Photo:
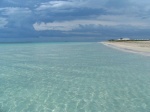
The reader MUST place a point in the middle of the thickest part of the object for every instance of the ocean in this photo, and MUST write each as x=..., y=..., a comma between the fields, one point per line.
x=72, y=77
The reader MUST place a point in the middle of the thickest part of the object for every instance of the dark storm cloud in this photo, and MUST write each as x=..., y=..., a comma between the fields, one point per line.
x=74, y=18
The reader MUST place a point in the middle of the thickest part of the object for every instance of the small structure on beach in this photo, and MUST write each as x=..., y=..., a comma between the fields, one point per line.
x=123, y=39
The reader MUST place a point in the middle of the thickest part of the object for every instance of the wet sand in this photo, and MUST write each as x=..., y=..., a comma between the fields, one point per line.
x=140, y=47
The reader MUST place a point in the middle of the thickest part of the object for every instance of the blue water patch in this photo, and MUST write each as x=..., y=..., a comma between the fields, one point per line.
x=72, y=77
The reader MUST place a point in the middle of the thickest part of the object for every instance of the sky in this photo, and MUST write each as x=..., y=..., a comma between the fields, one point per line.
x=73, y=20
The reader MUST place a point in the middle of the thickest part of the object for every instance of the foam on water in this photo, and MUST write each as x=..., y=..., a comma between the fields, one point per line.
x=72, y=77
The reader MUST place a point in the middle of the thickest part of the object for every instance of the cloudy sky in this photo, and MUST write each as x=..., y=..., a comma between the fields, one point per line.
x=73, y=20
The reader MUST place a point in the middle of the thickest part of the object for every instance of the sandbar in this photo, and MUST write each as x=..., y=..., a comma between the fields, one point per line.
x=140, y=47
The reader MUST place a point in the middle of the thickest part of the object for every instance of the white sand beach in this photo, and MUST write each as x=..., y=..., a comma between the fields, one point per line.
x=141, y=47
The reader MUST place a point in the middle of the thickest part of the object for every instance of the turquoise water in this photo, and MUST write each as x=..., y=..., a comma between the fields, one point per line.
x=72, y=77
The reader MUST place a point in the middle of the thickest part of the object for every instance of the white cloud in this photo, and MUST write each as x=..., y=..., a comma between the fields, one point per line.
x=62, y=26
x=85, y=3
x=55, y=4
x=70, y=4
x=3, y=22
x=14, y=10
x=105, y=20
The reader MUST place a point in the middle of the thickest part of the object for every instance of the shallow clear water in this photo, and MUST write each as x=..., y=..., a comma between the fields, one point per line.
x=72, y=77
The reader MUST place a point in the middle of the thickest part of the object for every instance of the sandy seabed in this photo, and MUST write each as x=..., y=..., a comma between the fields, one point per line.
x=140, y=47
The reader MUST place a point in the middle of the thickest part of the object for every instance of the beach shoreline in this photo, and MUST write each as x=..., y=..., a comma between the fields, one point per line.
x=139, y=47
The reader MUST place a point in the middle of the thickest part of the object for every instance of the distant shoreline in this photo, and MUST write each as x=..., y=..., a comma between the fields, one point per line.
x=140, y=47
